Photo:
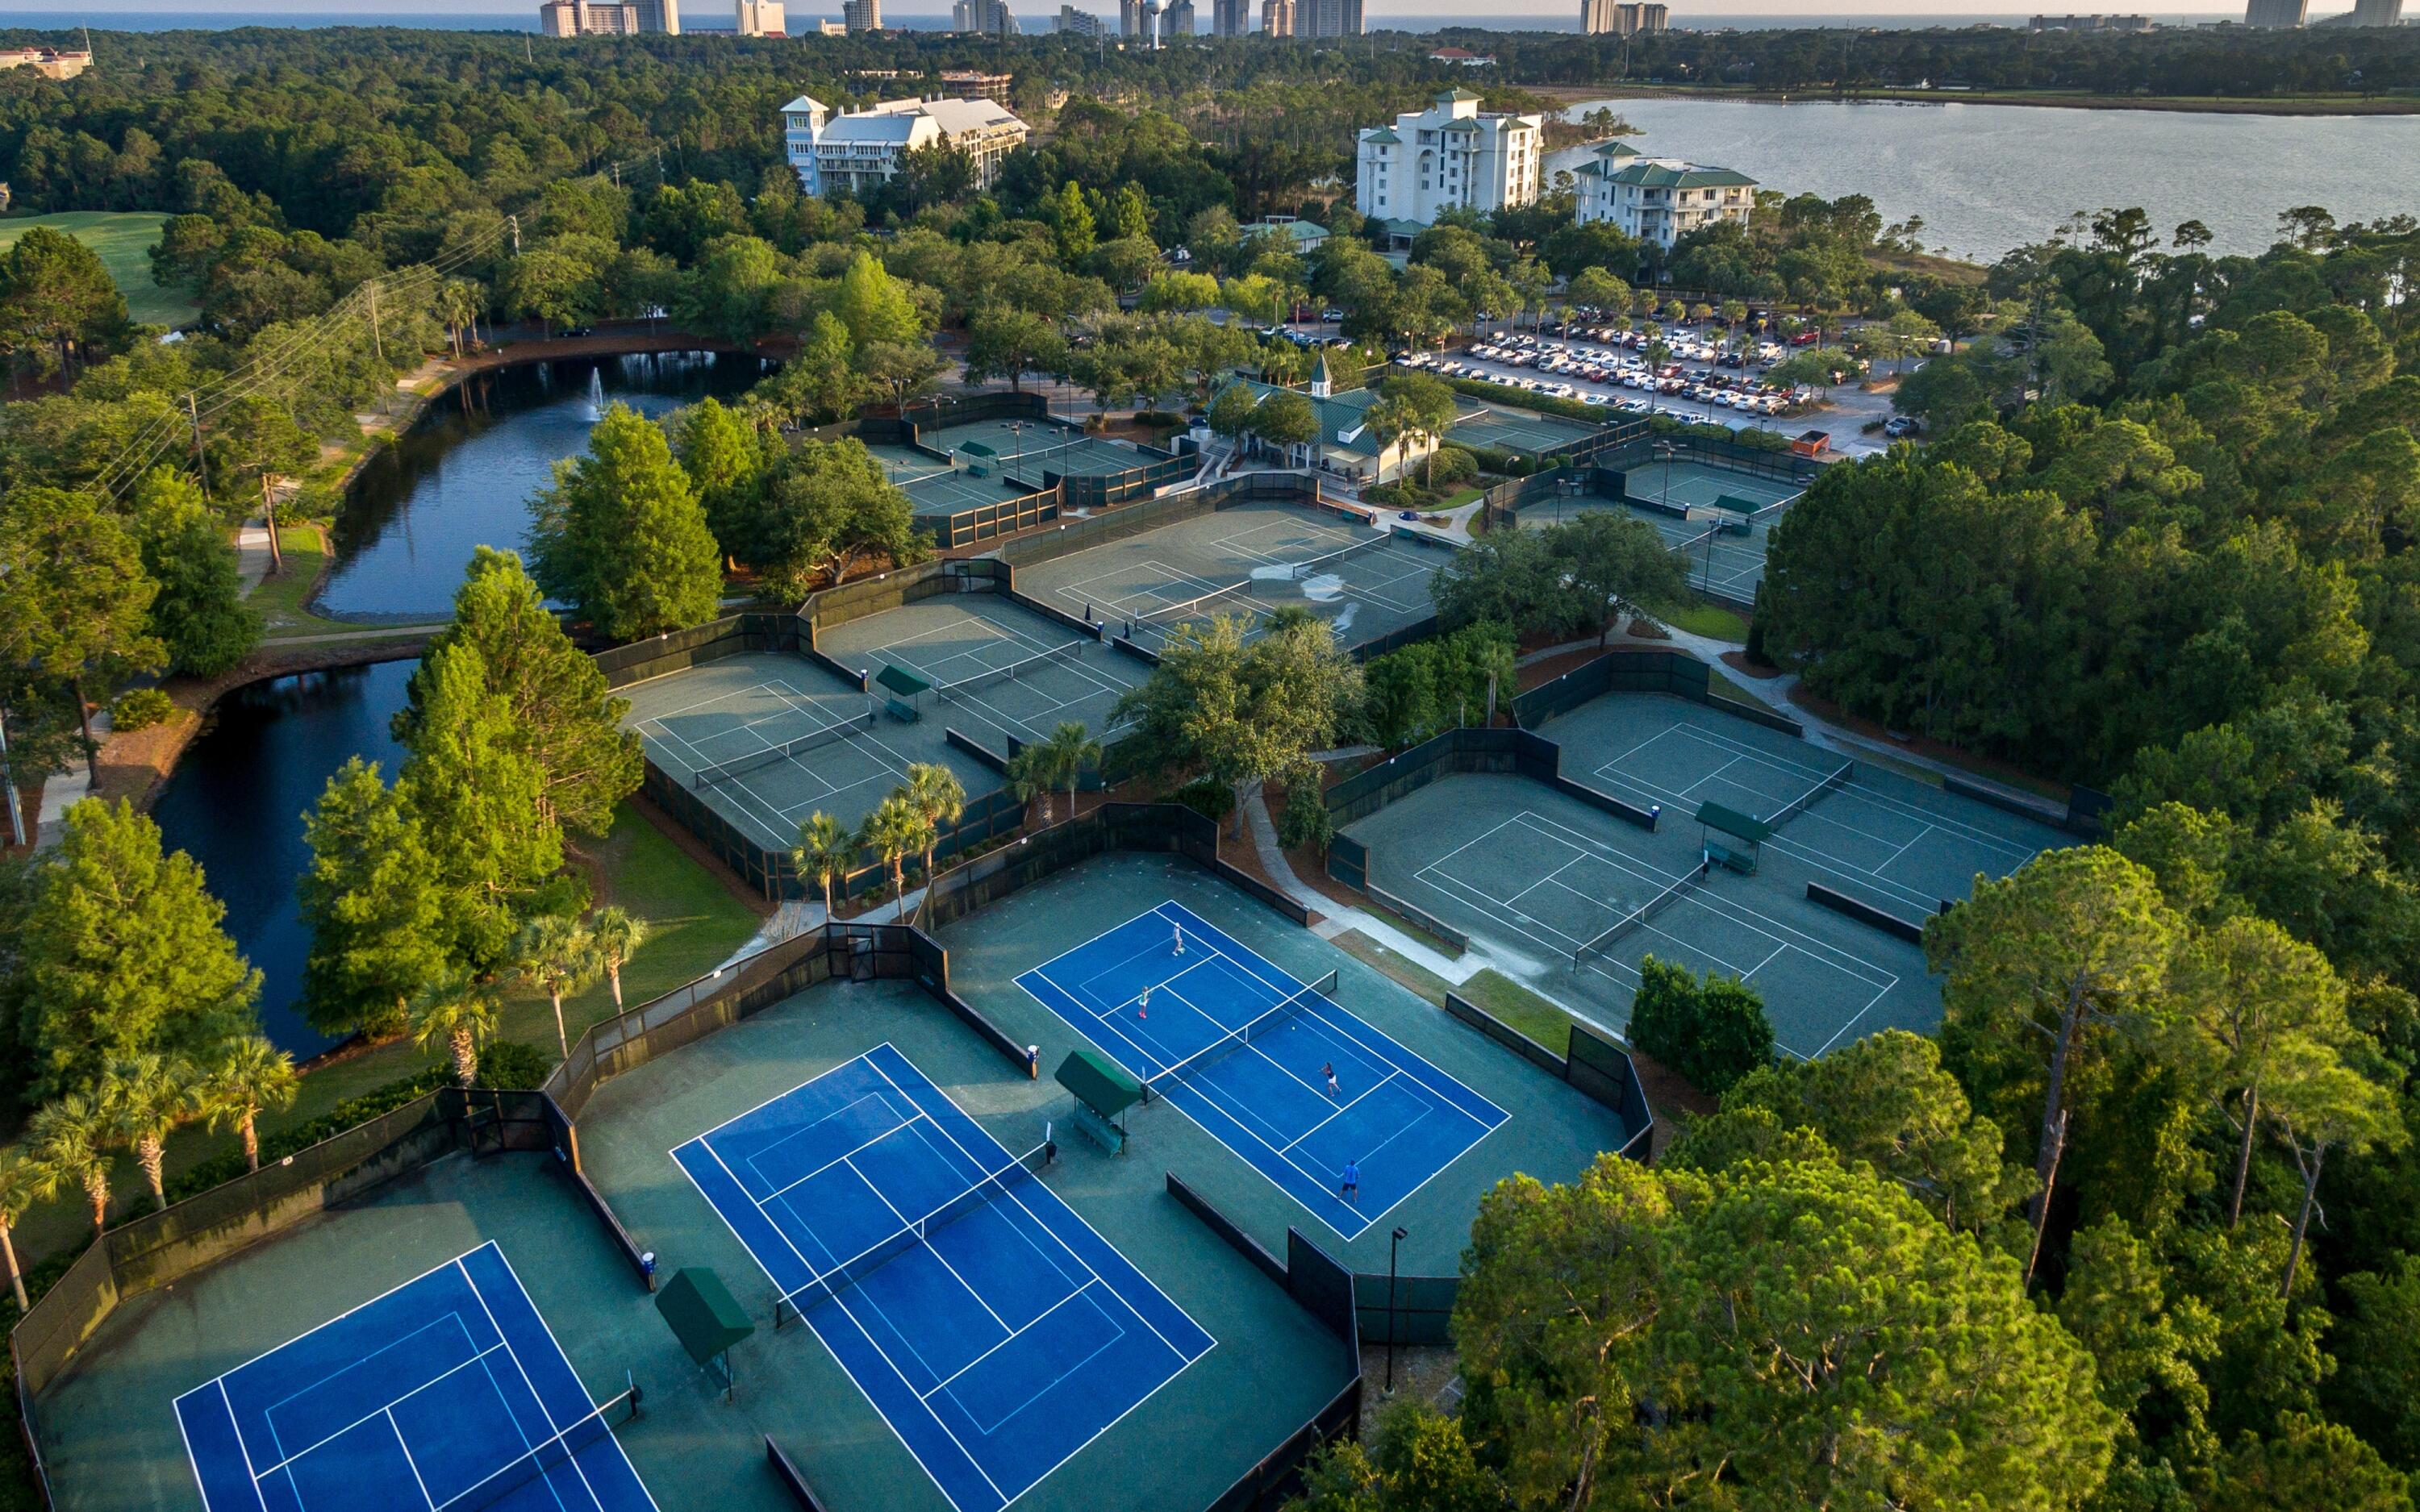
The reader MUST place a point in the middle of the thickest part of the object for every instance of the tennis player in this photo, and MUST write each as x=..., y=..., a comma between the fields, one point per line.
x=1350, y=1187
x=1179, y=939
x=1142, y=1004
x=1327, y=1070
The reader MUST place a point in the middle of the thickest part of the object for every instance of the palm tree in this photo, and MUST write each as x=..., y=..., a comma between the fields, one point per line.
x=249, y=1077
x=71, y=1143
x=148, y=1097
x=458, y=306
x=1032, y=774
x=617, y=935
x=1072, y=749
x=23, y=1182
x=458, y=1013
x=824, y=852
x=941, y=798
x=556, y=952
x=896, y=830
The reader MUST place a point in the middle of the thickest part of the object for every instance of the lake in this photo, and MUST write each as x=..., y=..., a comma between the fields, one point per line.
x=1989, y=178
x=462, y=476
x=236, y=802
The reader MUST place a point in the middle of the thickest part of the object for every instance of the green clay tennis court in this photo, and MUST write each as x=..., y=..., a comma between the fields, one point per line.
x=1575, y=898
x=769, y=738
x=1479, y=422
x=1247, y=561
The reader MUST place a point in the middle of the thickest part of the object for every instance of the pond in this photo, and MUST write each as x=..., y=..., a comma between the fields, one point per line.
x=462, y=476
x=236, y=803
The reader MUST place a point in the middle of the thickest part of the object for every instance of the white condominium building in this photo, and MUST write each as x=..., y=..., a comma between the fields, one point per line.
x=1452, y=153
x=856, y=151
x=861, y=16
x=1614, y=18
x=1659, y=199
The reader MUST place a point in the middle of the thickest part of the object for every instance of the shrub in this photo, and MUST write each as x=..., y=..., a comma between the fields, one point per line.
x=140, y=709
x=1305, y=821
x=509, y=1065
x=1207, y=796
x=285, y=1142
x=1712, y=1032
x=1505, y=393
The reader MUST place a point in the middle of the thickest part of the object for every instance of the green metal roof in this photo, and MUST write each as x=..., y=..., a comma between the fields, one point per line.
x=703, y=1314
x=1661, y=176
x=1451, y=96
x=1733, y=822
x=1098, y=1082
x=1385, y=136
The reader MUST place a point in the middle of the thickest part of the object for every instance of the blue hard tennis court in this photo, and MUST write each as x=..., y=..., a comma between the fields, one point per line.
x=447, y=1393
x=1241, y=1048
x=989, y=1325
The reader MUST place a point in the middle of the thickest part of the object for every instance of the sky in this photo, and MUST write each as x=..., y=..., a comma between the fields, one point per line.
x=1378, y=11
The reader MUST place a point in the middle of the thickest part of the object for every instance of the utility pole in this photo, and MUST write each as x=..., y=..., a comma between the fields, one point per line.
x=201, y=469
x=17, y=835
x=268, y=513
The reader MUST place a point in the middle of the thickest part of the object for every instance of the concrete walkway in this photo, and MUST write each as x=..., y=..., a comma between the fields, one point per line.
x=64, y=791
x=1337, y=919
x=251, y=554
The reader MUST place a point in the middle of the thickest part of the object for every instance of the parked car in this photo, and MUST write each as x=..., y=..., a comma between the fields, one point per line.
x=1900, y=426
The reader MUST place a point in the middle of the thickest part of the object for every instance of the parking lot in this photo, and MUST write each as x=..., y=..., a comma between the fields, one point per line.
x=1703, y=378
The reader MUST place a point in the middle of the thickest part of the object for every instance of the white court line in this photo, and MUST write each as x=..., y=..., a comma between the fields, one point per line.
x=1346, y=1108
x=1012, y=1336
x=401, y=1442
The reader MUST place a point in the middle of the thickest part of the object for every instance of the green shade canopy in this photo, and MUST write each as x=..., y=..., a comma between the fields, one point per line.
x=702, y=1313
x=1733, y=822
x=1098, y=1084
x=900, y=680
x=976, y=449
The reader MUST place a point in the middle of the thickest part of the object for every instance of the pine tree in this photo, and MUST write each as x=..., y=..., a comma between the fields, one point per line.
x=123, y=953
x=620, y=534
x=563, y=717
x=477, y=800
x=370, y=899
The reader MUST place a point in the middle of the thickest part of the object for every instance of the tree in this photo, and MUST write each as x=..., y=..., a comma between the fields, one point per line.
x=477, y=800
x=1178, y=291
x=1426, y=405
x=555, y=953
x=2044, y=970
x=71, y=1138
x=1613, y=563
x=620, y=534
x=876, y=307
x=617, y=933
x=199, y=615
x=1071, y=750
x=896, y=830
x=1601, y=291
x=1071, y=224
x=78, y=604
x=123, y=953
x=57, y=302
x=1784, y=1334
x=726, y=461
x=459, y=1014
x=2376, y=1340
x=248, y=1077
x=940, y=799
x=899, y=370
x=564, y=718
x=1005, y=342
x=830, y=506
x=825, y=850
x=2310, y=1466
x=1417, y=1461
x=1713, y=1032
x=148, y=1097
x=23, y=1184
x=1284, y=421
x=371, y=901
x=559, y=286
x=2320, y=1110
x=2270, y=1005
x=1509, y=578
x=1032, y=773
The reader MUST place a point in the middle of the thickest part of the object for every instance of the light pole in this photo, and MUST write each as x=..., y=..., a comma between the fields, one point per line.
x=1396, y=1240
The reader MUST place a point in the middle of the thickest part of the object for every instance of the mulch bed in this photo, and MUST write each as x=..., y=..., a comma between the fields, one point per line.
x=1940, y=750
x=1738, y=662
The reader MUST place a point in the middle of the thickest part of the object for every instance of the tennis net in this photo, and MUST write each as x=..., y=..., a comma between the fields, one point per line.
x=1056, y=657
x=1806, y=800
x=724, y=772
x=828, y=1285
x=1164, y=620
x=1640, y=915
x=563, y=1451
x=1235, y=1039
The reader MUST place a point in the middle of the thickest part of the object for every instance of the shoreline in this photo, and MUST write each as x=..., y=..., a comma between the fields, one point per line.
x=1570, y=95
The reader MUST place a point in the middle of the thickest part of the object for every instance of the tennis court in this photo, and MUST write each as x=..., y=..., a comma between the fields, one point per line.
x=447, y=1393
x=1273, y=1068
x=1027, y=448
x=1000, y=672
x=1482, y=423
x=1698, y=510
x=1247, y=561
x=993, y=1330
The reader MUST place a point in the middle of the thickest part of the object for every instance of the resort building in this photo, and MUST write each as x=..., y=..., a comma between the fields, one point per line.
x=1078, y=22
x=970, y=84
x=1343, y=444
x=1177, y=20
x=1613, y=18
x=1303, y=237
x=1231, y=18
x=1463, y=57
x=861, y=16
x=1452, y=153
x=1277, y=17
x=2092, y=23
x=1659, y=199
x=855, y=151
x=49, y=62
x=984, y=18
x=761, y=18
x=587, y=18
x=1320, y=19
x=2277, y=15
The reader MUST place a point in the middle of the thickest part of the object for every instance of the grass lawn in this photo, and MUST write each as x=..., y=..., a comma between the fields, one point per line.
x=1519, y=1007
x=693, y=924
x=280, y=597
x=123, y=240
x=1710, y=620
